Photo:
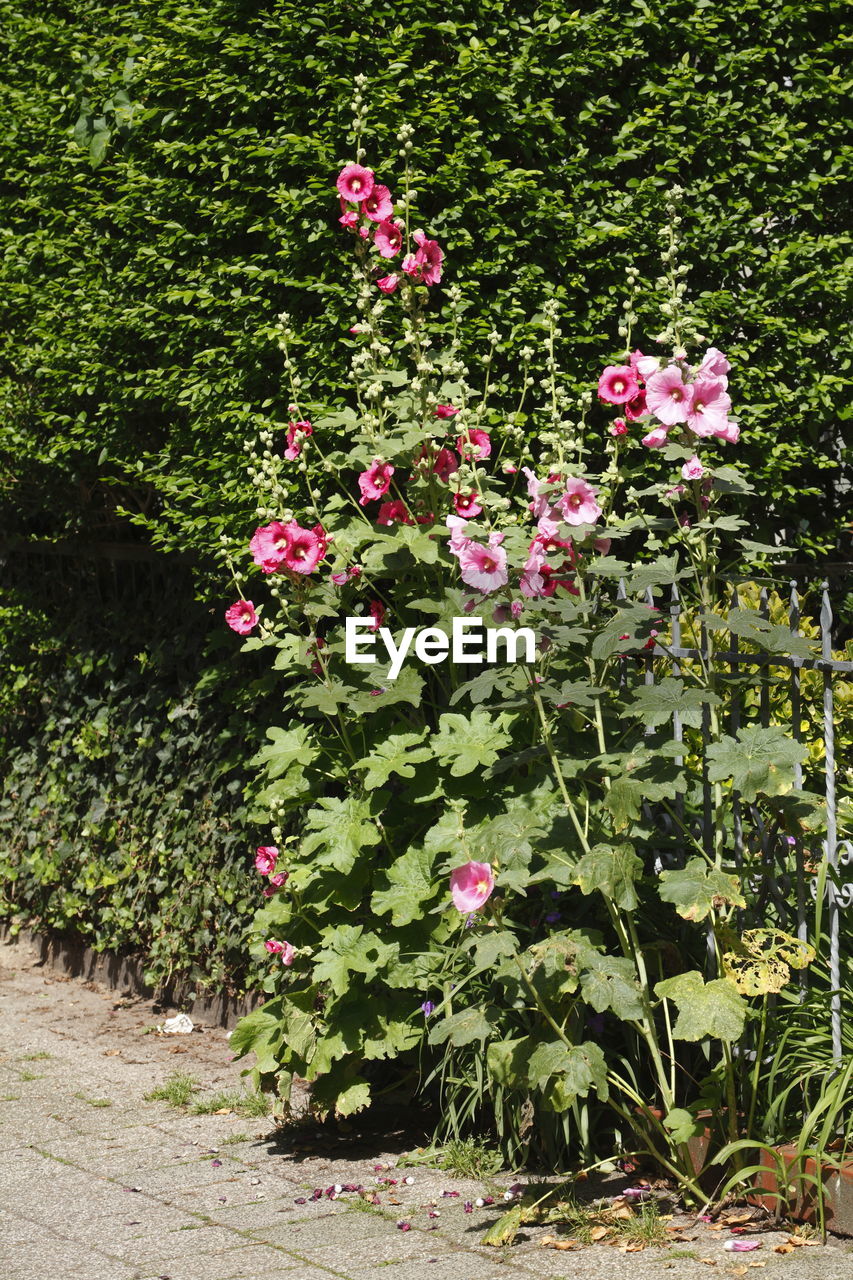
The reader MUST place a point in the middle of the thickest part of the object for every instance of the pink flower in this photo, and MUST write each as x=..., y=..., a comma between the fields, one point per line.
x=707, y=415
x=444, y=464
x=466, y=505
x=458, y=540
x=484, y=567
x=693, y=469
x=481, y=442
x=268, y=546
x=429, y=258
x=636, y=408
x=655, y=439
x=411, y=266
x=388, y=238
x=619, y=427
x=283, y=949
x=301, y=430
x=394, y=513
x=714, y=364
x=617, y=384
x=355, y=183
x=471, y=886
x=377, y=613
x=741, y=1246
x=578, y=504
x=276, y=882
x=348, y=219
x=643, y=366
x=266, y=856
x=305, y=548
x=375, y=481
x=730, y=433
x=388, y=284
x=667, y=396
x=445, y=411
x=378, y=205
x=539, y=505
x=241, y=617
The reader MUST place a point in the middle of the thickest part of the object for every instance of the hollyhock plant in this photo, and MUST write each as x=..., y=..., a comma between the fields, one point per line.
x=709, y=407
x=378, y=206
x=471, y=886
x=282, y=949
x=667, y=396
x=375, y=481
x=355, y=183
x=484, y=567
x=578, y=504
x=388, y=284
x=297, y=434
x=305, y=548
x=617, y=384
x=394, y=513
x=388, y=238
x=429, y=258
x=480, y=446
x=466, y=505
x=266, y=856
x=241, y=617
x=445, y=411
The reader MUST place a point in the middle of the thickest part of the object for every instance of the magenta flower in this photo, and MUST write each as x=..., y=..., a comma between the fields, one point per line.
x=305, y=548
x=377, y=613
x=266, y=856
x=667, y=396
x=394, y=513
x=617, y=384
x=283, y=949
x=708, y=413
x=618, y=427
x=445, y=411
x=241, y=617
x=444, y=464
x=429, y=258
x=355, y=183
x=349, y=219
x=388, y=238
x=655, y=439
x=277, y=881
x=480, y=447
x=471, y=885
x=375, y=481
x=297, y=434
x=268, y=546
x=484, y=567
x=636, y=408
x=466, y=505
x=693, y=469
x=388, y=284
x=378, y=206
x=578, y=504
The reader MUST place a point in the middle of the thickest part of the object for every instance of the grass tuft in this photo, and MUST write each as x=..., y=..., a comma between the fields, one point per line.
x=461, y=1157
x=244, y=1102
x=177, y=1090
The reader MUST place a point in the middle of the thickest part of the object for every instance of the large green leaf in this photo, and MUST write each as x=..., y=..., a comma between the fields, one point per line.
x=464, y=1027
x=347, y=949
x=696, y=889
x=759, y=761
x=577, y=1068
x=338, y=830
x=610, y=982
x=285, y=748
x=656, y=704
x=410, y=884
x=398, y=753
x=470, y=742
x=612, y=870
x=705, y=1009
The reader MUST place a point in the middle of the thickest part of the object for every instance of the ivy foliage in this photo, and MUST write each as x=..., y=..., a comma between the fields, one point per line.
x=166, y=191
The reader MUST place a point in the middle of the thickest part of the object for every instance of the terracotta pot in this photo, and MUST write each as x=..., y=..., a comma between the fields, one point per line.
x=802, y=1199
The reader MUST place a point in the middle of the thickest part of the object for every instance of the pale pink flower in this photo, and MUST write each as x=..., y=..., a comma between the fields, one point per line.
x=484, y=567
x=375, y=481
x=339, y=579
x=471, y=886
x=481, y=444
x=458, y=539
x=297, y=433
x=693, y=469
x=266, y=856
x=617, y=384
x=644, y=366
x=714, y=364
x=708, y=412
x=268, y=546
x=532, y=583
x=539, y=504
x=517, y=608
x=388, y=284
x=547, y=528
x=619, y=427
x=394, y=513
x=578, y=504
x=378, y=206
x=445, y=464
x=241, y=617
x=445, y=411
x=741, y=1246
x=429, y=258
x=466, y=505
x=411, y=266
x=355, y=183
x=602, y=545
x=655, y=439
x=349, y=219
x=667, y=395
x=730, y=433
x=636, y=408
x=283, y=949
x=364, y=232
x=388, y=238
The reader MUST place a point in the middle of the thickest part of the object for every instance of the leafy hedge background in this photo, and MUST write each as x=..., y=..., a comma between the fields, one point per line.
x=167, y=190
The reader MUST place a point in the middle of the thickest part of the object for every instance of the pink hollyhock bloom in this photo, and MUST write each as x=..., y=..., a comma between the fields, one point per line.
x=517, y=608
x=693, y=469
x=377, y=613
x=708, y=412
x=532, y=583
x=364, y=232
x=276, y=882
x=458, y=539
x=394, y=513
x=388, y=238
x=445, y=411
x=730, y=432
x=305, y=548
x=268, y=546
x=539, y=505
x=355, y=183
x=667, y=396
x=349, y=219
x=466, y=505
x=636, y=408
x=509, y=469
x=578, y=504
x=547, y=528
x=619, y=427
x=481, y=443
x=484, y=567
x=375, y=481
x=602, y=545
x=655, y=439
x=339, y=579
x=294, y=446
x=283, y=949
x=388, y=284
x=714, y=364
x=617, y=384
x=471, y=886
x=411, y=266
x=444, y=464
x=241, y=617
x=378, y=206
x=429, y=257
x=266, y=856
x=644, y=366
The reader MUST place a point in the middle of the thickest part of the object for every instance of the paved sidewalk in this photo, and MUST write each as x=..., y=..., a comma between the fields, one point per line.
x=96, y=1182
